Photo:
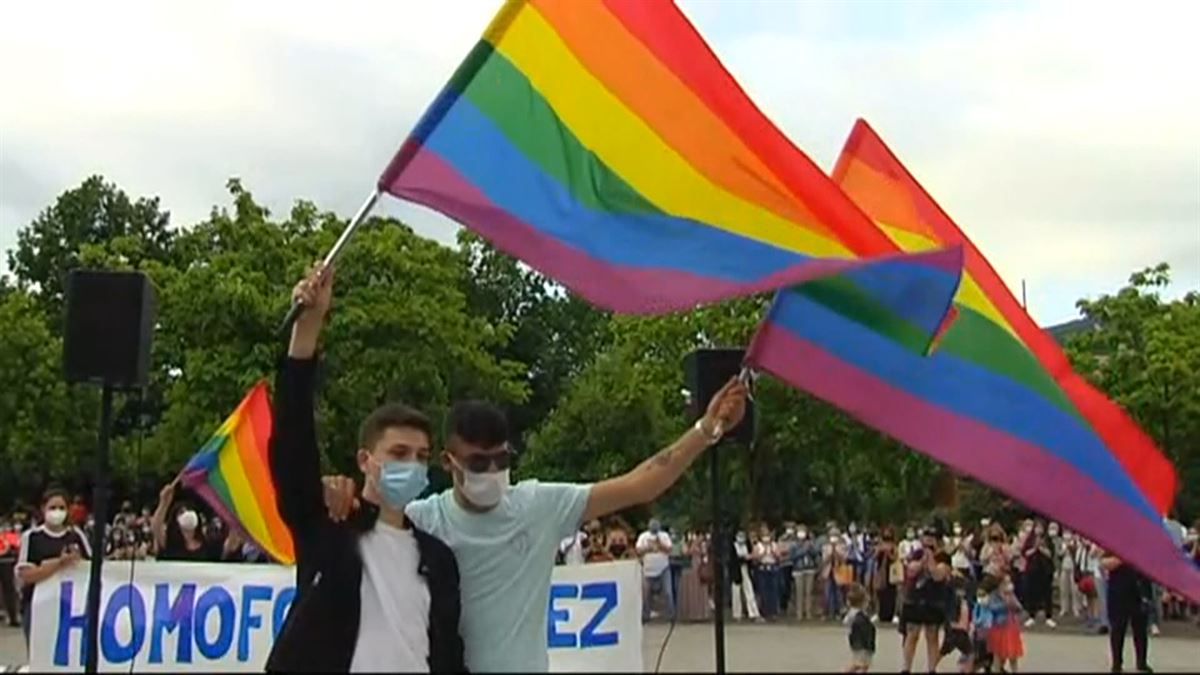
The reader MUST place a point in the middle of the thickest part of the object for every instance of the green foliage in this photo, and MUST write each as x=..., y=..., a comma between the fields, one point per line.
x=1145, y=353
x=96, y=218
x=590, y=395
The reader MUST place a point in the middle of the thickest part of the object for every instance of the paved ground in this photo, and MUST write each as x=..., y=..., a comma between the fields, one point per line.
x=822, y=648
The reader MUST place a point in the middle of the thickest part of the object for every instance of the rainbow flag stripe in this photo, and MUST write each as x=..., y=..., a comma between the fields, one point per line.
x=605, y=145
x=231, y=473
x=996, y=400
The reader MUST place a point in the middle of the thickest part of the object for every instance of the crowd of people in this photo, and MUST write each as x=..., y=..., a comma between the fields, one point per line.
x=970, y=589
x=36, y=542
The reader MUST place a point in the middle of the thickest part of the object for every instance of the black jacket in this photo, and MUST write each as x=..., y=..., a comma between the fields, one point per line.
x=321, y=628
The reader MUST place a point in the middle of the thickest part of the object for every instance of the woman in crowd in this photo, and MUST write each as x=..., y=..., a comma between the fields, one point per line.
x=1039, y=575
x=995, y=554
x=1070, y=600
x=766, y=565
x=693, y=595
x=182, y=535
x=836, y=573
x=46, y=549
x=924, y=610
x=738, y=578
x=889, y=574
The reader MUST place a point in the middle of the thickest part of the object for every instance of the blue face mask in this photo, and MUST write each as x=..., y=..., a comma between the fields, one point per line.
x=401, y=481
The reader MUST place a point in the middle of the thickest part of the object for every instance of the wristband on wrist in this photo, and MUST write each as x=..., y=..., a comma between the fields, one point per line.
x=710, y=437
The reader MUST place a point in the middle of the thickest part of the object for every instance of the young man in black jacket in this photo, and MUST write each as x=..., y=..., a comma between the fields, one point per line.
x=373, y=593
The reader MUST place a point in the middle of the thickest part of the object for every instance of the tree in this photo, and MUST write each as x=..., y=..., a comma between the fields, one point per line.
x=553, y=333
x=1144, y=352
x=45, y=426
x=95, y=214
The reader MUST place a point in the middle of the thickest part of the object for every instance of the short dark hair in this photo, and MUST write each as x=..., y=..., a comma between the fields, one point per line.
x=55, y=491
x=478, y=423
x=389, y=416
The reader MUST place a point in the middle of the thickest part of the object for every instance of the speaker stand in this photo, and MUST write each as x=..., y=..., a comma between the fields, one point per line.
x=91, y=650
x=718, y=555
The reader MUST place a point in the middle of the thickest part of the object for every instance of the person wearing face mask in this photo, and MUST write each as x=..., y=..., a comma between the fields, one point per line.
x=804, y=571
x=374, y=592
x=618, y=543
x=52, y=546
x=1038, y=553
x=654, y=548
x=504, y=536
x=179, y=534
x=742, y=596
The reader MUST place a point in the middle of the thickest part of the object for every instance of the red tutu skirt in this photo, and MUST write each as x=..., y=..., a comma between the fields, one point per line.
x=1004, y=641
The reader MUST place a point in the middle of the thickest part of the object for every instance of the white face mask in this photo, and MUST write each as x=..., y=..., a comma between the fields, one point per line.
x=188, y=520
x=484, y=490
x=56, y=517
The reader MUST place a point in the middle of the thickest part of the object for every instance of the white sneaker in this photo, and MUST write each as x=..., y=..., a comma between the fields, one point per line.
x=896, y=620
x=1029, y=622
x=1154, y=629
x=1051, y=623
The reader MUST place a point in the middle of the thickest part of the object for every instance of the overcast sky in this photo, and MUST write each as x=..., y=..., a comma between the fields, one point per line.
x=1064, y=138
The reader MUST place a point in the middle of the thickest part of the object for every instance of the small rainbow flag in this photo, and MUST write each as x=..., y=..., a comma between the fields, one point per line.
x=604, y=144
x=996, y=400
x=231, y=473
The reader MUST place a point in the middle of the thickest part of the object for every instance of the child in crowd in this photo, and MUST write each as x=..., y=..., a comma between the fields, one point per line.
x=983, y=620
x=958, y=629
x=862, y=631
x=1004, y=639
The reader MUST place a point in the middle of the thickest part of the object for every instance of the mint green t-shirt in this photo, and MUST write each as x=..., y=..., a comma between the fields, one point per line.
x=505, y=560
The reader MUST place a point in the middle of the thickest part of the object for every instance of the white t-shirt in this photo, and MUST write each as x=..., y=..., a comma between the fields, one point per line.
x=572, y=549
x=505, y=561
x=654, y=562
x=393, y=627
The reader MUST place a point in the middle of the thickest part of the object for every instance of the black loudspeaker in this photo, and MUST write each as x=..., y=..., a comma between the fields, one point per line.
x=110, y=323
x=705, y=371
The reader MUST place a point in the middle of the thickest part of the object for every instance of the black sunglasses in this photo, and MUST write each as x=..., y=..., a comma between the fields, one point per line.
x=481, y=463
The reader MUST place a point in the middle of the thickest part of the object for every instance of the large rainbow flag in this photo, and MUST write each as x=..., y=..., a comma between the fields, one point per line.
x=231, y=473
x=605, y=145
x=997, y=400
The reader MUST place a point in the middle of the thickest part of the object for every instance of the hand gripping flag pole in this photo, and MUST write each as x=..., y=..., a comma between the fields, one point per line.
x=359, y=218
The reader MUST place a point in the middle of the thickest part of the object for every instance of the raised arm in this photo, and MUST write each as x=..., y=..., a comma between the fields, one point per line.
x=294, y=459
x=158, y=519
x=652, y=477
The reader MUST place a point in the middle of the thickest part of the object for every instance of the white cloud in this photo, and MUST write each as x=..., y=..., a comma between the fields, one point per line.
x=299, y=99
x=1065, y=140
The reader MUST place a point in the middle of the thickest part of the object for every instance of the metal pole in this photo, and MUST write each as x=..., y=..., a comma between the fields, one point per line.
x=718, y=556
x=343, y=238
x=100, y=518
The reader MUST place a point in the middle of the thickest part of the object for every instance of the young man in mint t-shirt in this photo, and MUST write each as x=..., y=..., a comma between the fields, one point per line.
x=505, y=536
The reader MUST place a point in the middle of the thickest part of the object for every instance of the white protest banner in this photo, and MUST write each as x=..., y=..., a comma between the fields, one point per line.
x=205, y=617
x=595, y=618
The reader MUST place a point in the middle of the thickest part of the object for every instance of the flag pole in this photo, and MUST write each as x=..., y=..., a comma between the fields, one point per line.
x=343, y=238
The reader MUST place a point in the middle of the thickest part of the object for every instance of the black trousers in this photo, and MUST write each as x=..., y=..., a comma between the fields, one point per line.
x=887, y=602
x=1121, y=617
x=1039, y=586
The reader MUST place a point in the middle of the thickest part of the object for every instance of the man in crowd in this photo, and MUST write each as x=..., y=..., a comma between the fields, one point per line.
x=505, y=537
x=654, y=548
x=374, y=593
